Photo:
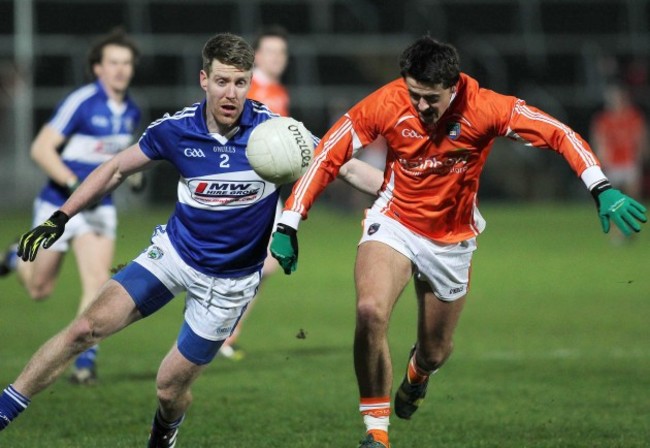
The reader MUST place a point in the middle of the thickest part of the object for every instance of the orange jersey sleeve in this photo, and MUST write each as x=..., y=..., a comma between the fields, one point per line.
x=431, y=176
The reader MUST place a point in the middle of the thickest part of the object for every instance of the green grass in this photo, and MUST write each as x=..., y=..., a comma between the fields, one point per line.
x=552, y=350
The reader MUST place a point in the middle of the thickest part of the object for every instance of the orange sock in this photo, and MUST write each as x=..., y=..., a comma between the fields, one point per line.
x=376, y=416
x=415, y=374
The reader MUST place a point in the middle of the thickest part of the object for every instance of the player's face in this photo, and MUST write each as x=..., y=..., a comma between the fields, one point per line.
x=271, y=56
x=115, y=70
x=430, y=101
x=226, y=88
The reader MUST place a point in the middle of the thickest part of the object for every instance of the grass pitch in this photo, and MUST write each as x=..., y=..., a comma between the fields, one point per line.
x=553, y=349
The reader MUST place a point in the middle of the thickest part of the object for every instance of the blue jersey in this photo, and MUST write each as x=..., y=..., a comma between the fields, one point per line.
x=224, y=215
x=96, y=128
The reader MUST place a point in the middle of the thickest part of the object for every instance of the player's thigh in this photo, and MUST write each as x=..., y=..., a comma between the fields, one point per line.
x=437, y=319
x=94, y=255
x=111, y=311
x=177, y=372
x=380, y=275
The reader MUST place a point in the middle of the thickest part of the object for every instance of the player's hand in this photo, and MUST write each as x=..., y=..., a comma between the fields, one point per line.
x=284, y=247
x=624, y=211
x=46, y=234
x=137, y=182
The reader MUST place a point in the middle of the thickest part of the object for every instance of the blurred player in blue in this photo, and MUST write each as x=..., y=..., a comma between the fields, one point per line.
x=213, y=246
x=90, y=126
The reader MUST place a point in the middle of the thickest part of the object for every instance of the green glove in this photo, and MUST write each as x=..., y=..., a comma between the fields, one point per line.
x=620, y=208
x=47, y=233
x=284, y=248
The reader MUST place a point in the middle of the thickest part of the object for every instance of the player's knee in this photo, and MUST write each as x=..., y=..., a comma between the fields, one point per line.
x=82, y=334
x=39, y=291
x=370, y=315
x=434, y=356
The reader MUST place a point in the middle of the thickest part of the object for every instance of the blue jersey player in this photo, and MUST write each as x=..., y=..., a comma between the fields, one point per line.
x=90, y=126
x=212, y=247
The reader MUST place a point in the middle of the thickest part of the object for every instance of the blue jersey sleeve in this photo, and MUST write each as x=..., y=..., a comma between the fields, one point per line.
x=68, y=117
x=158, y=139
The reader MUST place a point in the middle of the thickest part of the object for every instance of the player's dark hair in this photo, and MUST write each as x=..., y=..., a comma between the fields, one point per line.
x=428, y=61
x=270, y=31
x=229, y=49
x=117, y=36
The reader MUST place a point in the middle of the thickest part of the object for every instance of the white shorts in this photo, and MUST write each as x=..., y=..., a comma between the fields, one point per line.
x=213, y=305
x=101, y=220
x=445, y=267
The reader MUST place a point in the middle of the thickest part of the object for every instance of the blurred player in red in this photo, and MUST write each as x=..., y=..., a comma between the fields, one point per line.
x=439, y=126
x=619, y=137
x=271, y=57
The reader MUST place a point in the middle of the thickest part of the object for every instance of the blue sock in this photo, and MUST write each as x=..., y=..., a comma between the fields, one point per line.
x=160, y=422
x=12, y=403
x=12, y=258
x=86, y=360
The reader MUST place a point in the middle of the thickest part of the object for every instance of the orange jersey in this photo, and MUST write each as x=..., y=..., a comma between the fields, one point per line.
x=431, y=177
x=271, y=93
x=620, y=137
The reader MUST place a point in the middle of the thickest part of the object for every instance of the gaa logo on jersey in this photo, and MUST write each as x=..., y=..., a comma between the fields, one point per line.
x=155, y=253
x=226, y=192
x=453, y=130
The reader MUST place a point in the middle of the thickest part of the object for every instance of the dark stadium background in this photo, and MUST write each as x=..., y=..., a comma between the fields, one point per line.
x=556, y=54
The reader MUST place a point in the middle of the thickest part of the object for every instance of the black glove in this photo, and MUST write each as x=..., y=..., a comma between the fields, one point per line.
x=47, y=233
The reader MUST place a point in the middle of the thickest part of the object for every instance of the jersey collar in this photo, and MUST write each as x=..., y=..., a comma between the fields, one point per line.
x=246, y=119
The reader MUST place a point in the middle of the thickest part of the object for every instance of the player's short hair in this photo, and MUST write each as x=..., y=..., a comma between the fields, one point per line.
x=228, y=49
x=270, y=31
x=429, y=61
x=117, y=36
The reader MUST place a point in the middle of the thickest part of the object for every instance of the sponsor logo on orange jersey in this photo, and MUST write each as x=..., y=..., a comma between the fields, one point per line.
x=453, y=163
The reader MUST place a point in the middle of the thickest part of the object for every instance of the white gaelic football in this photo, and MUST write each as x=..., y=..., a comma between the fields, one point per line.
x=280, y=150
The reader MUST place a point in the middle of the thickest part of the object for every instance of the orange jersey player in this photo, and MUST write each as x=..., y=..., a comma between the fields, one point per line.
x=439, y=126
x=271, y=58
x=619, y=136
x=432, y=173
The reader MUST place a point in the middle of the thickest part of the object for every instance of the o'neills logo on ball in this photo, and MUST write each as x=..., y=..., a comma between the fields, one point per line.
x=305, y=149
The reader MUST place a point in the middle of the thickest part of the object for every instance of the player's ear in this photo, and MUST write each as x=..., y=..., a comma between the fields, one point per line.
x=203, y=80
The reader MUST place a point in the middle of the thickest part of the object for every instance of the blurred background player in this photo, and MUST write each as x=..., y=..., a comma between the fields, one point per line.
x=271, y=57
x=619, y=138
x=440, y=126
x=90, y=126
